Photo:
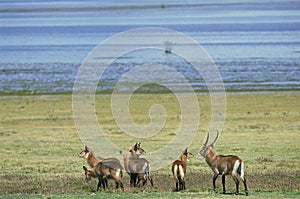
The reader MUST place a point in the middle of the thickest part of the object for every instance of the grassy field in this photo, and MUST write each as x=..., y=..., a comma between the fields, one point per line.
x=40, y=146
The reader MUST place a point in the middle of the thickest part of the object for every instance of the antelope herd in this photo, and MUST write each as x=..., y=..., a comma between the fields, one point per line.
x=139, y=168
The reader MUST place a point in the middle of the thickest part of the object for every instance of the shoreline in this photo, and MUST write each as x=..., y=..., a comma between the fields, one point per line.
x=52, y=94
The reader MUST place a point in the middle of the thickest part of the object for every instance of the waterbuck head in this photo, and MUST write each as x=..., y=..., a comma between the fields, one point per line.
x=137, y=149
x=205, y=148
x=85, y=153
x=187, y=154
x=88, y=173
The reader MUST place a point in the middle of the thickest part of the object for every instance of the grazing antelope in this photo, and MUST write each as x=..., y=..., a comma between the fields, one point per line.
x=223, y=165
x=179, y=169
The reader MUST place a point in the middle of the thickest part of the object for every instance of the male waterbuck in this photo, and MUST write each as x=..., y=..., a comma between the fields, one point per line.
x=223, y=165
x=179, y=169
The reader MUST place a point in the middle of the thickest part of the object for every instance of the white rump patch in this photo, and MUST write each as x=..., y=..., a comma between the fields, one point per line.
x=118, y=172
x=175, y=172
x=181, y=171
x=235, y=167
x=145, y=167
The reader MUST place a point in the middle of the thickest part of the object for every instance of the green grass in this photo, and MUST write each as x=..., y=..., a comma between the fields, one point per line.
x=40, y=144
x=157, y=195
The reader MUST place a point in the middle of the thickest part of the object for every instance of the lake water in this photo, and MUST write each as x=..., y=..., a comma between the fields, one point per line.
x=255, y=44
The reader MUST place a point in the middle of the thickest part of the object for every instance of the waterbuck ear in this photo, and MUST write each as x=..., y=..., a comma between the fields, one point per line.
x=186, y=150
x=135, y=146
x=86, y=148
x=84, y=168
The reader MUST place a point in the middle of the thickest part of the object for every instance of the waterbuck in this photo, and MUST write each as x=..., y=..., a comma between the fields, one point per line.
x=89, y=173
x=106, y=170
x=137, y=168
x=223, y=165
x=179, y=169
x=92, y=161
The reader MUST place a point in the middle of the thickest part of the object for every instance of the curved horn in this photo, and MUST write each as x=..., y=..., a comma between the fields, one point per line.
x=212, y=144
x=207, y=137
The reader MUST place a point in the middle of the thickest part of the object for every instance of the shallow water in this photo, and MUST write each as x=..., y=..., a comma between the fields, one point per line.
x=254, y=44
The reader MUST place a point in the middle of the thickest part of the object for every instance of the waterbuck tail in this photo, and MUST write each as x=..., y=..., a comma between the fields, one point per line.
x=239, y=168
x=175, y=171
x=148, y=170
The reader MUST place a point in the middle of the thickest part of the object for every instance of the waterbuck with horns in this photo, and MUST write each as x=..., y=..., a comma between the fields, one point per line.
x=223, y=165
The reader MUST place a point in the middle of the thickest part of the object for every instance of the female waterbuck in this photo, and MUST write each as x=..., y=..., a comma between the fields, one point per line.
x=179, y=169
x=106, y=170
x=137, y=168
x=92, y=161
x=223, y=165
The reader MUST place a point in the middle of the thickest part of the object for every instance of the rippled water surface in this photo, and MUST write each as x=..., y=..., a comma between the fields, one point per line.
x=254, y=44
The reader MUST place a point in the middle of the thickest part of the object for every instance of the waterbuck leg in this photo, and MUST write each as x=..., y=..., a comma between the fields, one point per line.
x=145, y=180
x=245, y=185
x=236, y=180
x=121, y=185
x=180, y=183
x=131, y=179
x=99, y=184
x=118, y=182
x=151, y=180
x=223, y=183
x=138, y=181
x=214, y=182
x=135, y=179
x=105, y=182
x=183, y=184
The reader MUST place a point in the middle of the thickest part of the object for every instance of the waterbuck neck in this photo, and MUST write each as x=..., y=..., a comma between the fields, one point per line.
x=126, y=156
x=210, y=156
x=92, y=160
x=183, y=159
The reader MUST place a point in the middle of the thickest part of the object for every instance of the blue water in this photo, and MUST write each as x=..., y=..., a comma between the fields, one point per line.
x=255, y=44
